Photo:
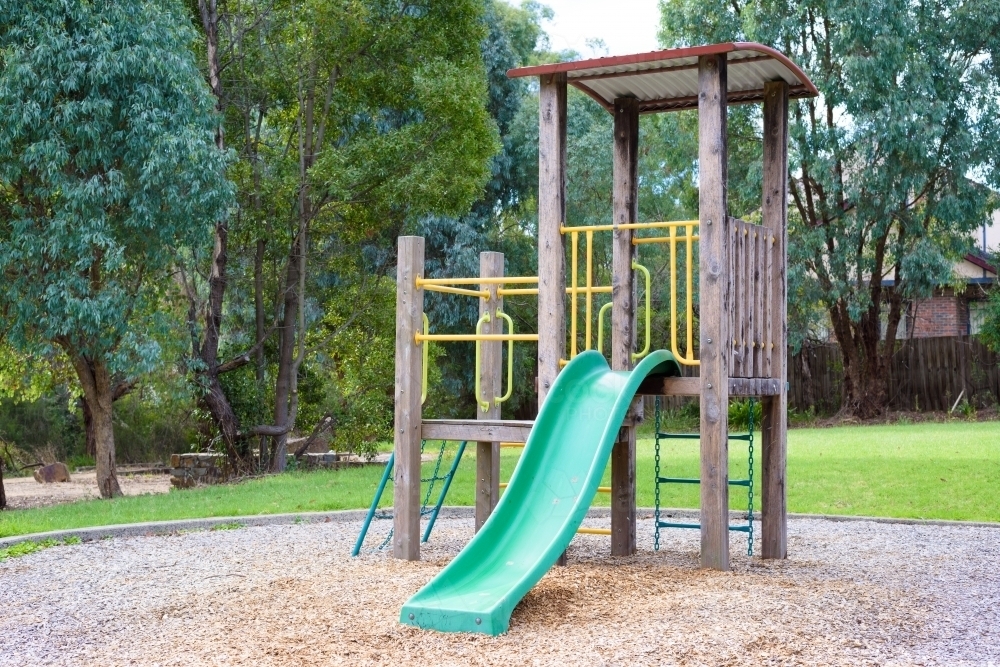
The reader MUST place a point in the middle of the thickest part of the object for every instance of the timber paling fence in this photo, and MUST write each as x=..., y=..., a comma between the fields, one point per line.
x=925, y=374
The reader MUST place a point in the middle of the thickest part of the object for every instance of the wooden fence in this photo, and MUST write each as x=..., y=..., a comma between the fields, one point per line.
x=925, y=374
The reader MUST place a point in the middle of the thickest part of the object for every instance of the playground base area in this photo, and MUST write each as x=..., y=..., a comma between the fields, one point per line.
x=851, y=593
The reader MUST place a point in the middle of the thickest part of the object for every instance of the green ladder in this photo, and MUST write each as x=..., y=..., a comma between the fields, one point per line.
x=425, y=510
x=748, y=482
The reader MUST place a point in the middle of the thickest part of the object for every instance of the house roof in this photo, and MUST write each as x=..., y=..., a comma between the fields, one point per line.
x=668, y=80
x=980, y=262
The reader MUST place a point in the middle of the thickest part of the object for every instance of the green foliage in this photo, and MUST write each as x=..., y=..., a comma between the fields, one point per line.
x=25, y=548
x=739, y=414
x=930, y=471
x=881, y=164
x=107, y=167
x=990, y=333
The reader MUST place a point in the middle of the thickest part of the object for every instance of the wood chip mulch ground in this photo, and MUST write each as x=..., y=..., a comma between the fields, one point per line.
x=851, y=593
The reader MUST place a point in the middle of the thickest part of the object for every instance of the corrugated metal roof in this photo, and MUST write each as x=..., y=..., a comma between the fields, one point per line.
x=668, y=80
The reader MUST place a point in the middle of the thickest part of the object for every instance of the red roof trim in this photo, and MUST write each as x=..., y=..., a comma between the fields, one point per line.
x=668, y=54
x=614, y=61
x=980, y=262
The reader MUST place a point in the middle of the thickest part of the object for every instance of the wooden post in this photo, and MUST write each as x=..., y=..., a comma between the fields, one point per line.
x=406, y=431
x=716, y=338
x=490, y=379
x=551, y=215
x=774, y=426
x=551, y=248
x=623, y=329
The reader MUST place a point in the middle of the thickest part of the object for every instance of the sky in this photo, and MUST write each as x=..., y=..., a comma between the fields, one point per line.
x=626, y=26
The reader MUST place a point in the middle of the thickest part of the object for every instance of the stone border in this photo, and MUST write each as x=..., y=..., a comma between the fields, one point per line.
x=153, y=528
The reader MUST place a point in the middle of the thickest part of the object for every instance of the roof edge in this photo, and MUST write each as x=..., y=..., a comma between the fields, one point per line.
x=666, y=54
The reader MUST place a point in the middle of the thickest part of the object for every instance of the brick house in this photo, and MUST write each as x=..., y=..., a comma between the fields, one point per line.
x=957, y=312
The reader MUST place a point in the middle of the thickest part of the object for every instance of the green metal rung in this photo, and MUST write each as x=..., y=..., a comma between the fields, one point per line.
x=678, y=480
x=695, y=480
x=696, y=436
x=697, y=526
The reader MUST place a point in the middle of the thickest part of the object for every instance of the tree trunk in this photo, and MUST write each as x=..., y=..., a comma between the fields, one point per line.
x=258, y=301
x=214, y=397
x=284, y=384
x=88, y=428
x=98, y=392
x=3, y=493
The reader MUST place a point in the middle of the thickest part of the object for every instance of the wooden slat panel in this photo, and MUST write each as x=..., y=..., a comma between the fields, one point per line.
x=758, y=292
x=692, y=387
x=770, y=302
x=734, y=357
x=476, y=430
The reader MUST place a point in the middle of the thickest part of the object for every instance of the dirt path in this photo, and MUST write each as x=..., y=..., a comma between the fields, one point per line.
x=25, y=492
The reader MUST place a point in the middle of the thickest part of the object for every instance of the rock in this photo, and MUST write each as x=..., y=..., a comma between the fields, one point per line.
x=54, y=472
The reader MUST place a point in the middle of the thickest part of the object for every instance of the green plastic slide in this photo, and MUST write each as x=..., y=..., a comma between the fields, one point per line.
x=547, y=499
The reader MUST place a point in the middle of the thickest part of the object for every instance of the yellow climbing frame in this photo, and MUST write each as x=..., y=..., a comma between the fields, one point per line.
x=588, y=289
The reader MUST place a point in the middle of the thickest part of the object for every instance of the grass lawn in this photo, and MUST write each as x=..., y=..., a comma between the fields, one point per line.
x=932, y=471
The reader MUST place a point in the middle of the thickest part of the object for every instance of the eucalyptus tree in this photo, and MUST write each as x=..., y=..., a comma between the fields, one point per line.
x=883, y=165
x=350, y=119
x=107, y=171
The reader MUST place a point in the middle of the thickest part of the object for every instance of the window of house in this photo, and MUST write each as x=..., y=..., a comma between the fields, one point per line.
x=977, y=316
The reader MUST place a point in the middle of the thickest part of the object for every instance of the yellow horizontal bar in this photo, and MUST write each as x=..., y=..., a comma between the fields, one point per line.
x=512, y=444
x=563, y=363
x=604, y=489
x=597, y=289
x=663, y=239
x=503, y=291
x=498, y=280
x=629, y=225
x=482, y=294
x=461, y=338
x=593, y=531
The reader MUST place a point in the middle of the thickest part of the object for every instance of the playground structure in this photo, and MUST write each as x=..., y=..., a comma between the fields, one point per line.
x=588, y=412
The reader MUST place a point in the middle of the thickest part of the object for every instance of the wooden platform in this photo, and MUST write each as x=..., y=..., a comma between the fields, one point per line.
x=476, y=430
x=692, y=387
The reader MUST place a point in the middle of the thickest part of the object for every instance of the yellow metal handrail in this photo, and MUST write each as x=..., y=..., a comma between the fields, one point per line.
x=500, y=280
x=426, y=358
x=510, y=360
x=600, y=326
x=645, y=350
x=485, y=405
x=628, y=225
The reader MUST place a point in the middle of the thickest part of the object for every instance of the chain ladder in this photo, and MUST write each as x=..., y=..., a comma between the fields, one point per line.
x=750, y=478
x=386, y=515
x=656, y=480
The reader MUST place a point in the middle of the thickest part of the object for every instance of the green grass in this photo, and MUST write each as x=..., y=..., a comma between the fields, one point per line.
x=932, y=471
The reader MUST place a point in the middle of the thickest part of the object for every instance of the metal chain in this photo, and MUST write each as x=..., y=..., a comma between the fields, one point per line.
x=750, y=477
x=388, y=515
x=433, y=478
x=656, y=480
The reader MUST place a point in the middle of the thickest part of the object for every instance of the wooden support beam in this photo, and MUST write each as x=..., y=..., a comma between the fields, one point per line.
x=743, y=387
x=476, y=430
x=774, y=540
x=490, y=380
x=406, y=426
x=716, y=337
x=551, y=216
x=623, y=329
